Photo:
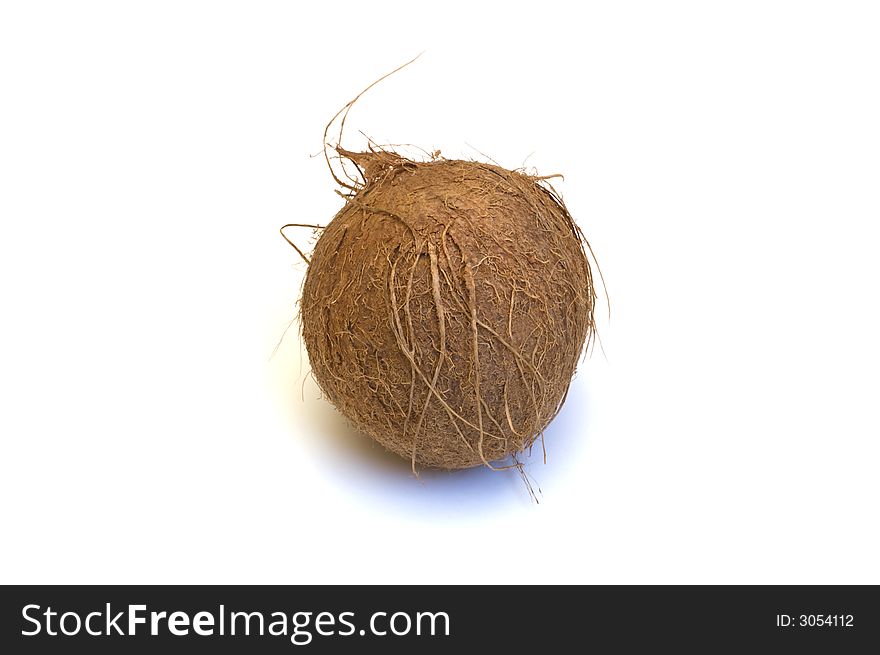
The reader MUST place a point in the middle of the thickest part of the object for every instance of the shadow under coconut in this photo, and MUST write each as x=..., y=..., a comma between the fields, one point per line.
x=363, y=465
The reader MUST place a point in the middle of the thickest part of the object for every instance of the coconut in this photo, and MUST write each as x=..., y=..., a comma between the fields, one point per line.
x=446, y=306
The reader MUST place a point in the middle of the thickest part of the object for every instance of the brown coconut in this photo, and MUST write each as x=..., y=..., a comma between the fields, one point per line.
x=446, y=306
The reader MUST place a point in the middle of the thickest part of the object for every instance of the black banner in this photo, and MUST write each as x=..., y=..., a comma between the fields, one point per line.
x=113, y=619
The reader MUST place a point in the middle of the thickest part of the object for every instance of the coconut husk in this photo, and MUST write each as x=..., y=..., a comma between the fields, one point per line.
x=446, y=306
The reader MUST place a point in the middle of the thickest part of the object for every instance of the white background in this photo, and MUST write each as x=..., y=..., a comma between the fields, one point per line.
x=723, y=159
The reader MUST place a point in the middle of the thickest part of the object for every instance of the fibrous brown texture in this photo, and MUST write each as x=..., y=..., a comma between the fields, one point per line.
x=445, y=308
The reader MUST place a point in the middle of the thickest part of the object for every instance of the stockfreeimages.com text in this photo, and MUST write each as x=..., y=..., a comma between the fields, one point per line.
x=299, y=627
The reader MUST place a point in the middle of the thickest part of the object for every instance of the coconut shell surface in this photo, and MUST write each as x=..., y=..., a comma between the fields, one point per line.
x=445, y=308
